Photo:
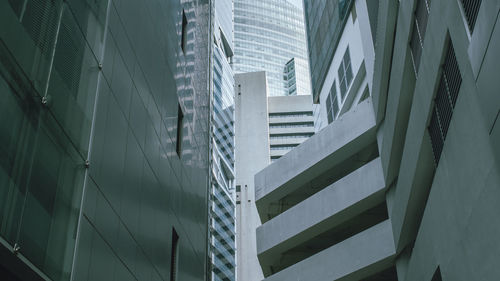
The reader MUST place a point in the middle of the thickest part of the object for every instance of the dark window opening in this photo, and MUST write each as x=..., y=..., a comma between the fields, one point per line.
x=365, y=95
x=180, y=125
x=184, y=32
x=437, y=275
x=471, y=9
x=444, y=103
x=174, y=255
x=332, y=106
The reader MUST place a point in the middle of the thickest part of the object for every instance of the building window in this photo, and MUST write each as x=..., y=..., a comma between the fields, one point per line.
x=184, y=32
x=291, y=125
x=418, y=34
x=437, y=275
x=471, y=9
x=174, y=255
x=444, y=103
x=290, y=114
x=343, y=8
x=345, y=74
x=180, y=125
x=365, y=95
x=290, y=136
x=283, y=146
x=332, y=106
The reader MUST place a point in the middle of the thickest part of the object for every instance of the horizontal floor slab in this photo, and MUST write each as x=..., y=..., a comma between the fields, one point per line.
x=343, y=200
x=355, y=258
x=325, y=150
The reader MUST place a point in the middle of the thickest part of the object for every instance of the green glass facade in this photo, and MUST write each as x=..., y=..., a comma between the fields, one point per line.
x=91, y=184
x=325, y=20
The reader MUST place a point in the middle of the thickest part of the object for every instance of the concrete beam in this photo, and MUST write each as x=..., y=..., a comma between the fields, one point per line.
x=327, y=209
x=329, y=148
x=355, y=258
x=386, y=26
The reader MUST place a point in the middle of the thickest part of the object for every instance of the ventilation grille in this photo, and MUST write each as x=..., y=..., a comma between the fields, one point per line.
x=471, y=9
x=444, y=103
x=418, y=34
x=40, y=18
x=69, y=52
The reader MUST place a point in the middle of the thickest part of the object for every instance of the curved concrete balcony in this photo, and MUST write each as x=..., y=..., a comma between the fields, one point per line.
x=356, y=258
x=329, y=210
x=340, y=148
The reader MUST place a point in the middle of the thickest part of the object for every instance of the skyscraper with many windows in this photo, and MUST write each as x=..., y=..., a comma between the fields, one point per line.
x=222, y=205
x=268, y=34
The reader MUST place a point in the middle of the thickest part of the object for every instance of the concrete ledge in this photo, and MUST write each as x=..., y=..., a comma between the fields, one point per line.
x=386, y=26
x=294, y=130
x=355, y=258
x=275, y=120
x=339, y=202
x=330, y=147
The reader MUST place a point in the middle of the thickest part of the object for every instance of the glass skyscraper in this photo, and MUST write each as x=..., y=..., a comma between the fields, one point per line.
x=222, y=206
x=268, y=34
x=104, y=140
x=325, y=21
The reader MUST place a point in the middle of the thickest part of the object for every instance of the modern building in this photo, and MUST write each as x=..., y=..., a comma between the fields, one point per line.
x=222, y=205
x=252, y=155
x=297, y=81
x=346, y=80
x=268, y=34
x=402, y=186
x=104, y=140
x=290, y=123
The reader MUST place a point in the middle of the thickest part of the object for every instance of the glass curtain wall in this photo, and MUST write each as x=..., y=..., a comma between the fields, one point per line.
x=91, y=186
x=268, y=33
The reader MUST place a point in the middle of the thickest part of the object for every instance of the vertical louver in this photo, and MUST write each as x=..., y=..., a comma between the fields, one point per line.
x=418, y=34
x=471, y=9
x=444, y=103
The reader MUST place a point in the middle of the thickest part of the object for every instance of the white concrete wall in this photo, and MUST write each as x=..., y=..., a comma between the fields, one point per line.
x=445, y=215
x=360, y=50
x=328, y=148
x=251, y=156
x=353, y=259
x=337, y=203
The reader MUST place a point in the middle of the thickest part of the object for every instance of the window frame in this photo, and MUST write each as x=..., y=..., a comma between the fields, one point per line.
x=344, y=72
x=180, y=130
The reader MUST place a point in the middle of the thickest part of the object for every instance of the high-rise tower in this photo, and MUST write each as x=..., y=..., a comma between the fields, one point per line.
x=268, y=34
x=222, y=205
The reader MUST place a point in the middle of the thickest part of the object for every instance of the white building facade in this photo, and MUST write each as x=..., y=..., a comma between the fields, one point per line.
x=347, y=82
x=404, y=185
x=291, y=122
x=252, y=155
